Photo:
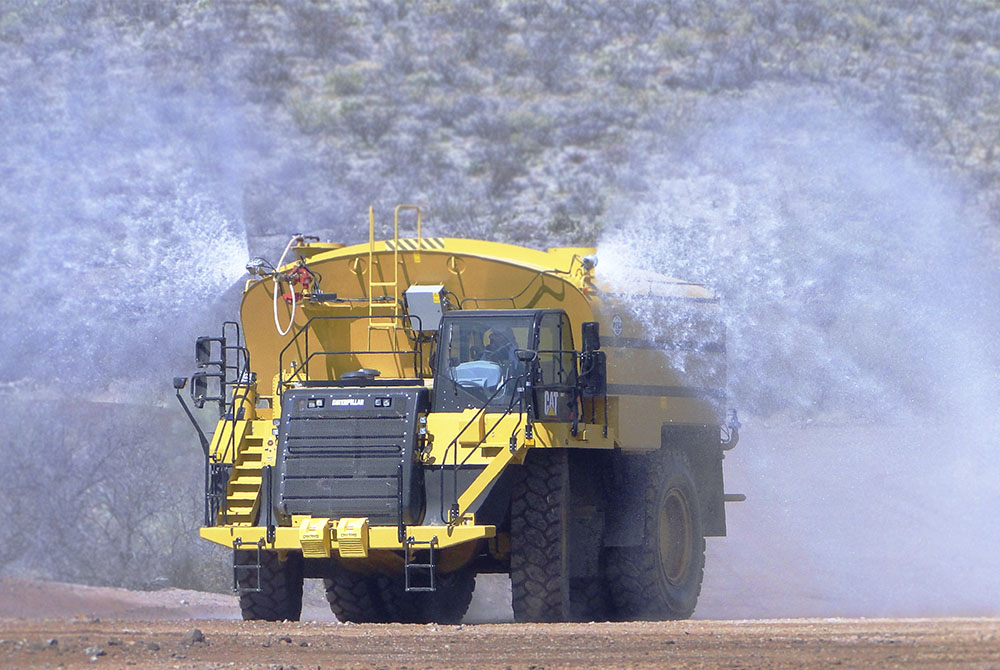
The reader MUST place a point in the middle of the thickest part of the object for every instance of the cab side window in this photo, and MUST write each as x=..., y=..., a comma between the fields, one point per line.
x=556, y=359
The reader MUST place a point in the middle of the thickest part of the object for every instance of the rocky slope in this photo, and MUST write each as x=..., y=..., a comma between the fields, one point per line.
x=516, y=120
x=809, y=160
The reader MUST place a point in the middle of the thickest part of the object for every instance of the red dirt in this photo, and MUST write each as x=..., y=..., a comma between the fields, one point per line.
x=51, y=625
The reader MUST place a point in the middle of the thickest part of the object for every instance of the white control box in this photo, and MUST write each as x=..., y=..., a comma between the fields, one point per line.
x=427, y=304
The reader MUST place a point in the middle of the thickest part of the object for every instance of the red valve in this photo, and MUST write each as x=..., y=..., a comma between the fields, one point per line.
x=299, y=276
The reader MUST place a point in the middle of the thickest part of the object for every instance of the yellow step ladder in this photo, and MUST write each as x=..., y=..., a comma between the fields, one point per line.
x=243, y=493
x=390, y=322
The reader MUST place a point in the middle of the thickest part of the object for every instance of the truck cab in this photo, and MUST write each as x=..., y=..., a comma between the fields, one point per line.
x=484, y=358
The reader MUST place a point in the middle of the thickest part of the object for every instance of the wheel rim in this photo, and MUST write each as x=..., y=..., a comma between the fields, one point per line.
x=675, y=536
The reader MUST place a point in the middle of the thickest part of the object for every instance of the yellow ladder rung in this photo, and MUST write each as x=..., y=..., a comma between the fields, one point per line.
x=394, y=284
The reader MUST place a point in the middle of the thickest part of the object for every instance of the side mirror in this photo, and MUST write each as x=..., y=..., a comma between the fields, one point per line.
x=180, y=383
x=199, y=389
x=201, y=393
x=526, y=355
x=203, y=352
x=591, y=336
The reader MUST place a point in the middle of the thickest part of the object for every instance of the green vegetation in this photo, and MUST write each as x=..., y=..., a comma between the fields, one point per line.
x=519, y=113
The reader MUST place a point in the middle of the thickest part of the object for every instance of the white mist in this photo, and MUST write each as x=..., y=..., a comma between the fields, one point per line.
x=862, y=325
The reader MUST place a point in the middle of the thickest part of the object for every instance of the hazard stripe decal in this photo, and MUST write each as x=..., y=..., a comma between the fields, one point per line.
x=410, y=244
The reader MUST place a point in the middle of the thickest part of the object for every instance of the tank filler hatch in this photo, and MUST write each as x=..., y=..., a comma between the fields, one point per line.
x=428, y=304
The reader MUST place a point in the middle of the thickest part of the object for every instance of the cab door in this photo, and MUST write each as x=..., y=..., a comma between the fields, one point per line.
x=555, y=370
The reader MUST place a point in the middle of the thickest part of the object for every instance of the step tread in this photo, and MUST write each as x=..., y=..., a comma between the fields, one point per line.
x=243, y=495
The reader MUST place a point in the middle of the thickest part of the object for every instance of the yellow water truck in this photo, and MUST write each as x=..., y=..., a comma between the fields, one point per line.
x=399, y=416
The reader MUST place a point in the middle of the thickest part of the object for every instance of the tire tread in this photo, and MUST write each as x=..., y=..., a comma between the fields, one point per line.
x=633, y=577
x=280, y=598
x=539, y=583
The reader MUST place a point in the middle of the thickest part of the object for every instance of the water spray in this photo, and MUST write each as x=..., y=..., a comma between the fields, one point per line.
x=860, y=316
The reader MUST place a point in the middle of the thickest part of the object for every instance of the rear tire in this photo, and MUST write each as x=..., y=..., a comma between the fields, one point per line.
x=588, y=599
x=280, y=597
x=661, y=578
x=354, y=597
x=451, y=601
x=539, y=565
x=446, y=605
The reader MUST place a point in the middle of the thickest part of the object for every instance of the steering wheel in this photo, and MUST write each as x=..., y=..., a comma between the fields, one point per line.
x=501, y=355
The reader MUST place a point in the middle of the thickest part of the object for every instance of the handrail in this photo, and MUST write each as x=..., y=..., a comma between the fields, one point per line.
x=513, y=298
x=242, y=373
x=215, y=500
x=481, y=410
x=417, y=363
x=500, y=388
x=454, y=442
x=414, y=208
x=306, y=329
x=510, y=407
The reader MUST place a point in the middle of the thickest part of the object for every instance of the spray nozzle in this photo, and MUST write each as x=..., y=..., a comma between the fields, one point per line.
x=301, y=240
x=259, y=267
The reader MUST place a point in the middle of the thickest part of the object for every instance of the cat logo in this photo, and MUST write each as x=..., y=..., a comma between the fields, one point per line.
x=551, y=403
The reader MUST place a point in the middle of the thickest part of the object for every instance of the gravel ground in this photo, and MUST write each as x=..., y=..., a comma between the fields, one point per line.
x=53, y=625
x=120, y=643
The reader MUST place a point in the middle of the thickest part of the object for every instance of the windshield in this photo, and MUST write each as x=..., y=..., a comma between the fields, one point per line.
x=480, y=360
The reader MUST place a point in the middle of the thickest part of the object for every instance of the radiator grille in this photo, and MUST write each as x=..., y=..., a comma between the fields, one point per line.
x=340, y=460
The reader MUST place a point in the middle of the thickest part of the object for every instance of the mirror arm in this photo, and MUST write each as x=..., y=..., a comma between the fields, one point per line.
x=194, y=422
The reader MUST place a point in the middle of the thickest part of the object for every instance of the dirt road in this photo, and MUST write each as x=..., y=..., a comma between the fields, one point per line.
x=86, y=643
x=51, y=625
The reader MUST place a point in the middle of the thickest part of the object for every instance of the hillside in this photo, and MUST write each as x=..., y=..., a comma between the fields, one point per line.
x=828, y=168
x=517, y=120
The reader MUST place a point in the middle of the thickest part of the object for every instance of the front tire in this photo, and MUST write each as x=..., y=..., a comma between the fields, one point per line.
x=539, y=564
x=661, y=578
x=280, y=595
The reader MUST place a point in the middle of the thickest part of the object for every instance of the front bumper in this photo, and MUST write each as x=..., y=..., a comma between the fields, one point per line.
x=305, y=538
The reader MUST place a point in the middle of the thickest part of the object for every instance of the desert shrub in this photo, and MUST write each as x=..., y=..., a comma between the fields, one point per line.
x=369, y=119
